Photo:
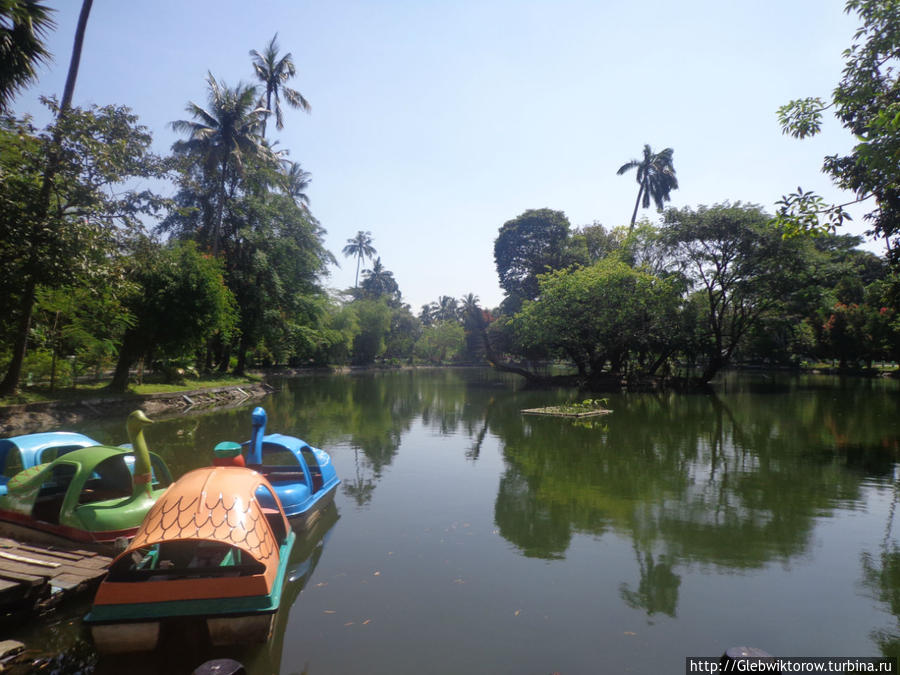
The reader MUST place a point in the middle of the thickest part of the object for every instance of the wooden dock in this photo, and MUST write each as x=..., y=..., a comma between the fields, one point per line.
x=35, y=577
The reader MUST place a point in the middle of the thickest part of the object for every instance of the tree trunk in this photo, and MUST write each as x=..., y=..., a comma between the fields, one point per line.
x=659, y=362
x=268, y=108
x=502, y=367
x=243, y=347
x=220, y=210
x=637, y=202
x=225, y=359
x=127, y=357
x=10, y=384
x=712, y=368
x=54, y=337
x=72, y=75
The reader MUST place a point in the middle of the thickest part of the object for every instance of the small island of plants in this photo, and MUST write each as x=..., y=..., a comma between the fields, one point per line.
x=589, y=407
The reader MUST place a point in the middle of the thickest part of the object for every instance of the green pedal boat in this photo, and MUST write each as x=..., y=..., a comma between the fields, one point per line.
x=94, y=495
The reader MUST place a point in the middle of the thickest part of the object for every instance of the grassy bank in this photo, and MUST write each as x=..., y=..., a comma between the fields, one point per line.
x=89, y=391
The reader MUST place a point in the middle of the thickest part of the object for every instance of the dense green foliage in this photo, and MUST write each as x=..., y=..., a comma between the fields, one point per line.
x=229, y=273
x=529, y=245
x=867, y=103
x=599, y=315
x=178, y=297
x=67, y=229
x=709, y=286
x=740, y=265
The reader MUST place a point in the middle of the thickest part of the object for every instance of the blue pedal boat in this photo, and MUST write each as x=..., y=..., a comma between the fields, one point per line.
x=24, y=452
x=303, y=476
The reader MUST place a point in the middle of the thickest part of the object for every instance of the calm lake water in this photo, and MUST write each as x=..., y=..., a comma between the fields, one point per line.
x=469, y=538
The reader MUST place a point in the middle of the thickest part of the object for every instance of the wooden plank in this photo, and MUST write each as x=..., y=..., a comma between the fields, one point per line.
x=68, y=581
x=49, y=558
x=22, y=577
x=21, y=568
x=78, y=572
x=34, y=577
x=67, y=555
x=89, y=554
x=28, y=561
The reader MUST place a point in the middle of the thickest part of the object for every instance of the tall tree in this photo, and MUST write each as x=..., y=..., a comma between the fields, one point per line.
x=867, y=103
x=428, y=313
x=72, y=239
x=274, y=72
x=474, y=324
x=448, y=309
x=361, y=247
x=23, y=27
x=601, y=317
x=178, y=298
x=379, y=281
x=740, y=264
x=222, y=137
x=295, y=182
x=655, y=177
x=10, y=382
x=533, y=243
x=469, y=303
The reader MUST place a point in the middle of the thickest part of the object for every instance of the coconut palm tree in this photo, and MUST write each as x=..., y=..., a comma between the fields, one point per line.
x=470, y=303
x=295, y=182
x=274, y=72
x=428, y=313
x=447, y=309
x=223, y=136
x=23, y=27
x=655, y=176
x=379, y=281
x=361, y=247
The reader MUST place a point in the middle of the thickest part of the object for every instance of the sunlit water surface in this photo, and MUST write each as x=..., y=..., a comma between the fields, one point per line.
x=469, y=538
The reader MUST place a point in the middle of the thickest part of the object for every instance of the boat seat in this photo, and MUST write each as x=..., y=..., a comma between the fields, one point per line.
x=175, y=554
x=161, y=574
x=284, y=474
x=46, y=508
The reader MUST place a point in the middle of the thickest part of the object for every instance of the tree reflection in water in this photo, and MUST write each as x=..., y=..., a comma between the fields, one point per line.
x=881, y=575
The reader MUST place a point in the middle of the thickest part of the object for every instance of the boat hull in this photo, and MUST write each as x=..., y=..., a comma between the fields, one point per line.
x=305, y=520
x=124, y=638
x=143, y=636
x=55, y=536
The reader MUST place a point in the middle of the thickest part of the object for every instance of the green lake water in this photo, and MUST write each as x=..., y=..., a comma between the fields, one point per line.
x=469, y=538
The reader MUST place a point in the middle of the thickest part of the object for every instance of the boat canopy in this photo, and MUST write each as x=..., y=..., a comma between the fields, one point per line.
x=230, y=505
x=23, y=452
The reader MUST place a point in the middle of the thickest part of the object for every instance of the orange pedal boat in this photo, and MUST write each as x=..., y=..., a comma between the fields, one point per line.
x=215, y=546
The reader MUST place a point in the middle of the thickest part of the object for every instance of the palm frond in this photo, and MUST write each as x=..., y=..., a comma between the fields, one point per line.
x=296, y=99
x=628, y=167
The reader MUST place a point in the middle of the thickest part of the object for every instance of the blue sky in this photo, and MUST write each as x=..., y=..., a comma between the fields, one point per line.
x=434, y=122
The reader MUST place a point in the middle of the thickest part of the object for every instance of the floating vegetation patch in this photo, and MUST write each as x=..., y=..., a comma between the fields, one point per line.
x=590, y=407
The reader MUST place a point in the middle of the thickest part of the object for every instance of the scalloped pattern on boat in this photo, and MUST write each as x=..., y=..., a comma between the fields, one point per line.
x=214, y=504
